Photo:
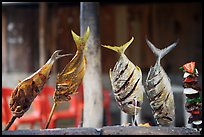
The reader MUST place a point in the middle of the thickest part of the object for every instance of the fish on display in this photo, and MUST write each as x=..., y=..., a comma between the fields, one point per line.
x=72, y=75
x=158, y=89
x=27, y=90
x=126, y=81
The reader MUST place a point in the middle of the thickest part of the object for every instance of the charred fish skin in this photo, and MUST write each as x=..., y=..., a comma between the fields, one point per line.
x=27, y=90
x=71, y=77
x=158, y=89
x=126, y=81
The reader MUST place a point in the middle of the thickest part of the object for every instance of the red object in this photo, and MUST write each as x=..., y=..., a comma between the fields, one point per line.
x=75, y=109
x=69, y=113
x=195, y=112
x=189, y=67
x=106, y=104
x=189, y=79
x=40, y=109
x=6, y=112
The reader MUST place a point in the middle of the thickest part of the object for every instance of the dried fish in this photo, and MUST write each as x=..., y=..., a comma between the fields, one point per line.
x=158, y=89
x=126, y=80
x=27, y=90
x=71, y=77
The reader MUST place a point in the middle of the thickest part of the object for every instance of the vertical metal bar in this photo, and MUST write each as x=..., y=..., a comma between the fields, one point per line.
x=93, y=105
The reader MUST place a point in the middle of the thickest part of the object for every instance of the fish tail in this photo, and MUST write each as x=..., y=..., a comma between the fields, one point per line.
x=160, y=53
x=81, y=41
x=120, y=49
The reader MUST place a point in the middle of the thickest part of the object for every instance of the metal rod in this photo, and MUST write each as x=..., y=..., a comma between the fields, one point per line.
x=50, y=116
x=10, y=122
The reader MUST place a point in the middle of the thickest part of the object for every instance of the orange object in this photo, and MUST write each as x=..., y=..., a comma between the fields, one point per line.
x=144, y=125
x=195, y=112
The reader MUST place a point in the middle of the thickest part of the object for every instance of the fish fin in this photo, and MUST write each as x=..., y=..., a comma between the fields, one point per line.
x=86, y=35
x=120, y=49
x=138, y=68
x=160, y=53
x=81, y=41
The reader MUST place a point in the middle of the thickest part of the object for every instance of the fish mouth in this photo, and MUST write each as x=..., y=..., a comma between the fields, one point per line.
x=56, y=54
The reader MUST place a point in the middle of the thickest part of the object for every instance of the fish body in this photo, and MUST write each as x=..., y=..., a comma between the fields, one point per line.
x=71, y=77
x=27, y=90
x=158, y=89
x=126, y=81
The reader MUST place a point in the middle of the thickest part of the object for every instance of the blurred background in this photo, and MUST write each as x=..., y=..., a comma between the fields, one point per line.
x=162, y=23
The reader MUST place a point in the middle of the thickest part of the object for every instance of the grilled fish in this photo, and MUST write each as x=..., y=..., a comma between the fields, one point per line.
x=158, y=89
x=126, y=81
x=27, y=90
x=71, y=77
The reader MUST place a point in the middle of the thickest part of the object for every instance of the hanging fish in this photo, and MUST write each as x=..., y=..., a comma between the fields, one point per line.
x=126, y=81
x=71, y=77
x=27, y=90
x=158, y=89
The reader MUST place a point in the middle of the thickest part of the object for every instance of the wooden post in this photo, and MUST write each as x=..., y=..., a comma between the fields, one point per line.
x=93, y=105
x=42, y=21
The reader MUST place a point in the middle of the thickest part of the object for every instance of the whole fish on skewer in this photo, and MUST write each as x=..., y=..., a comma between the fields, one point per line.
x=27, y=90
x=71, y=77
x=126, y=81
x=158, y=89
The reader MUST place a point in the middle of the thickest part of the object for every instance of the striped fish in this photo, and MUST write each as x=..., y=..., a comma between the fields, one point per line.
x=158, y=89
x=72, y=75
x=126, y=80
